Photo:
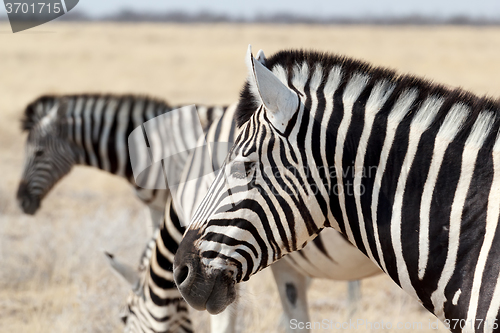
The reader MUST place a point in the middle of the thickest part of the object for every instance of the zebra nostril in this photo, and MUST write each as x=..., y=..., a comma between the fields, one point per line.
x=181, y=274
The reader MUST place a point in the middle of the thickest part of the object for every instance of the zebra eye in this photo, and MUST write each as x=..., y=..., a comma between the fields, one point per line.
x=241, y=170
x=39, y=153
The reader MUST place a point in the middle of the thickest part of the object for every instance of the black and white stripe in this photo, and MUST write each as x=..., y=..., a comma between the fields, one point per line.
x=427, y=213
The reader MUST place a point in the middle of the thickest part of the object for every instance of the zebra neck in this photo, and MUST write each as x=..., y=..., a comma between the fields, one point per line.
x=353, y=147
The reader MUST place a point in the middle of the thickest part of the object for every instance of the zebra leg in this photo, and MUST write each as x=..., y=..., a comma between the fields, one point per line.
x=225, y=322
x=354, y=292
x=292, y=287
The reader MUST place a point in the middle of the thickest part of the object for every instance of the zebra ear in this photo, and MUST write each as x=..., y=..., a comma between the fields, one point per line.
x=126, y=272
x=261, y=57
x=279, y=100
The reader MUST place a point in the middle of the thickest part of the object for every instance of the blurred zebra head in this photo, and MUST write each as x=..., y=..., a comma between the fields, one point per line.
x=49, y=155
x=261, y=205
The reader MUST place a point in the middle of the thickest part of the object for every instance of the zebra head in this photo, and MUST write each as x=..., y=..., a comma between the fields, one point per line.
x=263, y=203
x=49, y=155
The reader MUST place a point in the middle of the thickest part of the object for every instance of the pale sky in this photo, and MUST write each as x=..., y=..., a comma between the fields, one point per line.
x=316, y=8
x=313, y=8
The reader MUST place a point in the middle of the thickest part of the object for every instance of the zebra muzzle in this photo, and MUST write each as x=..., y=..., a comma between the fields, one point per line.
x=203, y=287
x=27, y=202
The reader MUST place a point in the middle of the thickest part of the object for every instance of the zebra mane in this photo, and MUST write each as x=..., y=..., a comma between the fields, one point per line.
x=37, y=109
x=248, y=102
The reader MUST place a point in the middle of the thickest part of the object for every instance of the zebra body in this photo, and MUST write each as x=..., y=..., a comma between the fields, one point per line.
x=427, y=215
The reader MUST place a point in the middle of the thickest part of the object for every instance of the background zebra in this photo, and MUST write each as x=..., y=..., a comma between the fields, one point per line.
x=428, y=216
x=92, y=130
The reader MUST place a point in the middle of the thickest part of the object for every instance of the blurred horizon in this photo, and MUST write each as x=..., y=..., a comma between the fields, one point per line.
x=282, y=11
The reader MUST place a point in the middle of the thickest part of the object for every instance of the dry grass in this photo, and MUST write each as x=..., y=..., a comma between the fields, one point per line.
x=53, y=277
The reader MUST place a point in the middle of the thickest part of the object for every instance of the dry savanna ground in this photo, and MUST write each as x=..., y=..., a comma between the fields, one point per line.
x=53, y=276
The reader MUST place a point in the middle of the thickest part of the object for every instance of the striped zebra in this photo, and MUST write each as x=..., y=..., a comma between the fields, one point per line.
x=93, y=129
x=328, y=256
x=408, y=170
